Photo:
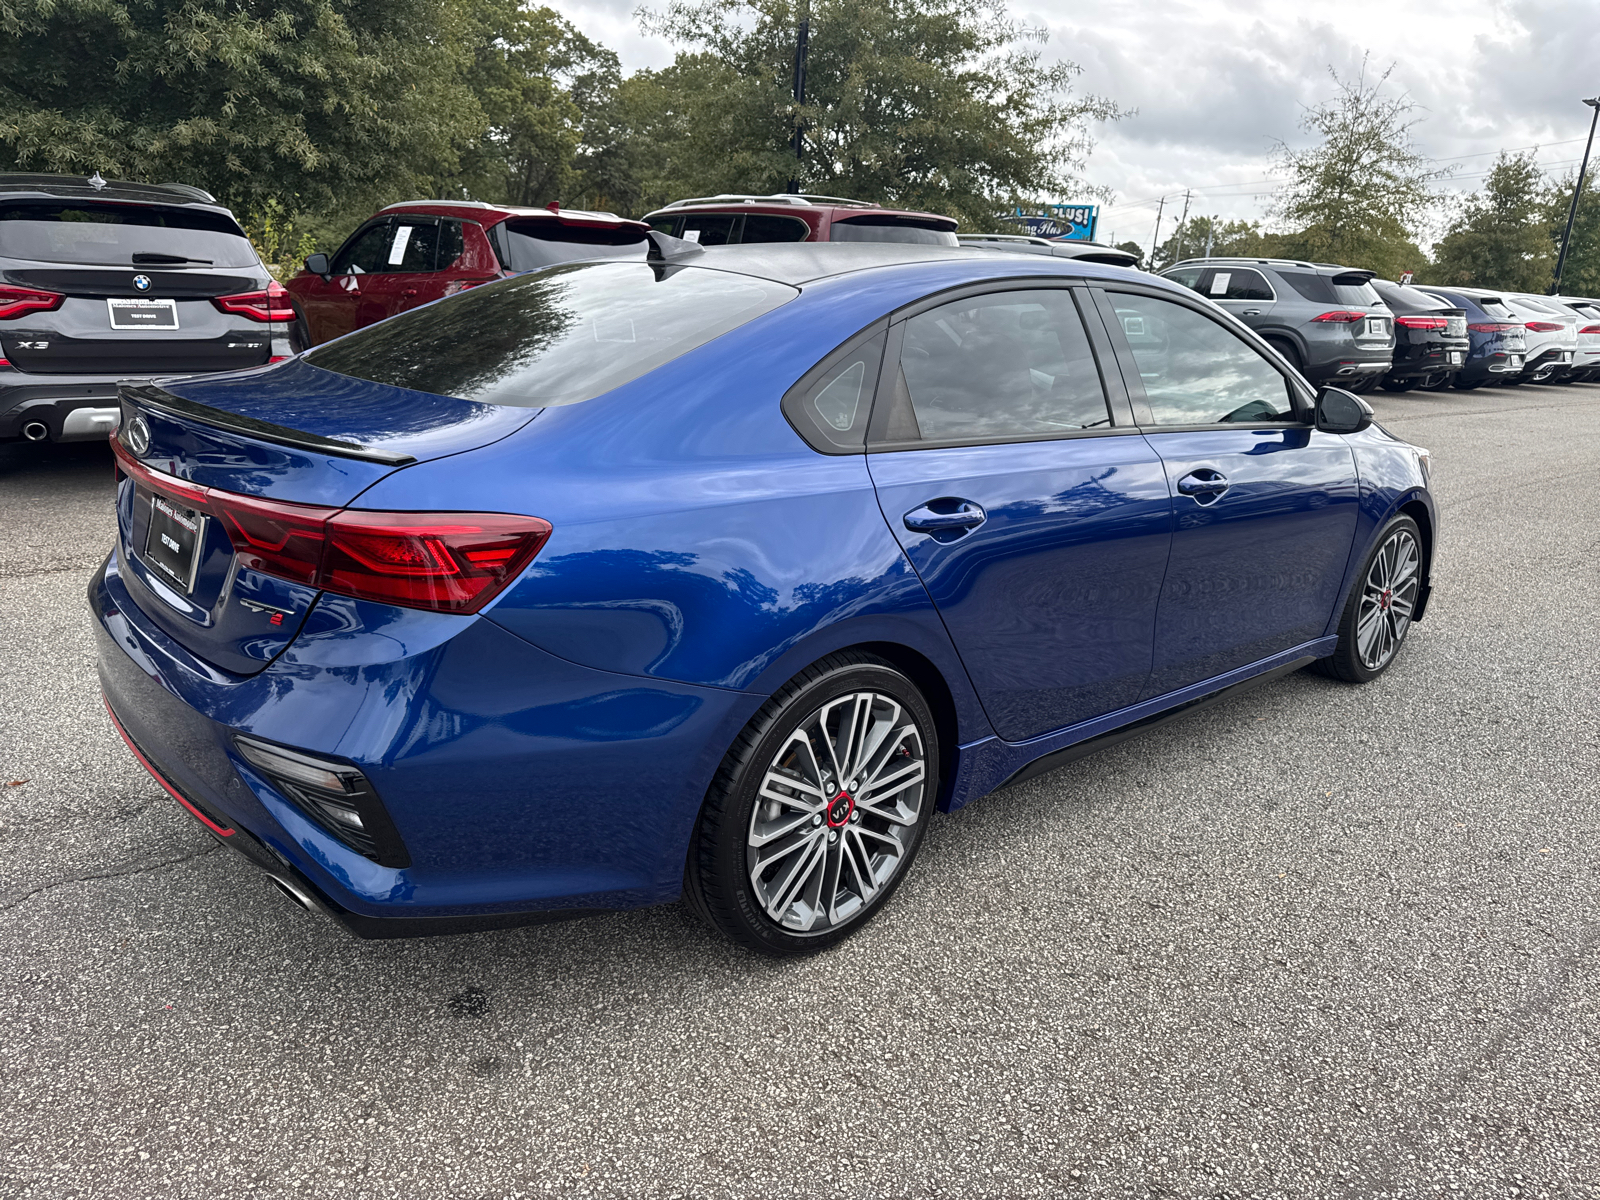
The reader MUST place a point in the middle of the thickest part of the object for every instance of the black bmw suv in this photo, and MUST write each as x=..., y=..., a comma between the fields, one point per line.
x=104, y=281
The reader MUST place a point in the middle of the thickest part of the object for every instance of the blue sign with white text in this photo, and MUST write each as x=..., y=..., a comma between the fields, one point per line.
x=1070, y=222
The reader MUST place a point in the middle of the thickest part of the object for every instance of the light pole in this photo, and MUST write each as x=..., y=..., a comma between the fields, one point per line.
x=1577, y=190
x=802, y=46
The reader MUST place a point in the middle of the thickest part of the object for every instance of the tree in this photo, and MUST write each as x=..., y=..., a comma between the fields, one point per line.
x=943, y=105
x=1356, y=197
x=322, y=105
x=1580, y=276
x=1500, y=237
x=1134, y=249
x=1228, y=239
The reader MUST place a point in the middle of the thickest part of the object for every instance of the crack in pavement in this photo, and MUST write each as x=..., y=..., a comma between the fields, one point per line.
x=139, y=870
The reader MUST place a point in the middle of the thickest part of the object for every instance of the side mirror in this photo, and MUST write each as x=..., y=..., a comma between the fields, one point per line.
x=1339, y=411
x=317, y=264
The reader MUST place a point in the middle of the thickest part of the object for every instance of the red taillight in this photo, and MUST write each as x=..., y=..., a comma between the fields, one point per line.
x=1493, y=327
x=1585, y=329
x=270, y=304
x=445, y=562
x=1422, y=322
x=1543, y=327
x=20, y=301
x=1342, y=316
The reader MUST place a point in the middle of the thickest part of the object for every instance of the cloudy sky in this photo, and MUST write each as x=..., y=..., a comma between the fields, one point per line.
x=1218, y=83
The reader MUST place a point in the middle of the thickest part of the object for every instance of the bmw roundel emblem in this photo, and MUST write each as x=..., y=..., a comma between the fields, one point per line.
x=142, y=282
x=136, y=436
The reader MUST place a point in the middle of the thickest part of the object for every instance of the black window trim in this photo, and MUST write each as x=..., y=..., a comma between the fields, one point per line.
x=793, y=402
x=1303, y=399
x=360, y=229
x=1117, y=407
x=1207, y=274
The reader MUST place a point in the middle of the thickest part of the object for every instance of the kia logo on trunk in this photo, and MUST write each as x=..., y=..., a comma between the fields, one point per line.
x=136, y=437
x=142, y=282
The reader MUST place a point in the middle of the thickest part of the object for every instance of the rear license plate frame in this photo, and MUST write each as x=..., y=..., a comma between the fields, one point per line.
x=1457, y=358
x=173, y=539
x=1375, y=327
x=162, y=314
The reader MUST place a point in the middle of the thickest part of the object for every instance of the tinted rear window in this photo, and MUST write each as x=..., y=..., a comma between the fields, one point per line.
x=1321, y=289
x=1409, y=299
x=886, y=229
x=1495, y=308
x=530, y=243
x=555, y=337
x=106, y=234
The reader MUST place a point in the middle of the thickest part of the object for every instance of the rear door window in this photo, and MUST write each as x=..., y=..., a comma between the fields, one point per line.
x=767, y=227
x=1007, y=365
x=367, y=253
x=711, y=229
x=412, y=246
x=84, y=233
x=556, y=336
x=533, y=243
x=1238, y=283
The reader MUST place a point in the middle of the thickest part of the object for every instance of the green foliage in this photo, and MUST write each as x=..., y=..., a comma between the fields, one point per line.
x=1357, y=197
x=941, y=105
x=1227, y=239
x=1500, y=236
x=1580, y=276
x=282, y=243
x=1133, y=248
x=322, y=105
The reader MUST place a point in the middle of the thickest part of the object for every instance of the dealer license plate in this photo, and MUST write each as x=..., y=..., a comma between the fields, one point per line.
x=172, y=546
x=143, y=314
x=1375, y=327
x=1455, y=358
x=1516, y=360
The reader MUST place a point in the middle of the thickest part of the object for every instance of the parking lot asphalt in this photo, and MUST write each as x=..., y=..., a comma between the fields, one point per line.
x=1317, y=941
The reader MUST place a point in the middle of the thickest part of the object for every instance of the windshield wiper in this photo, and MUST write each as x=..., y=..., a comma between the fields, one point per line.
x=153, y=257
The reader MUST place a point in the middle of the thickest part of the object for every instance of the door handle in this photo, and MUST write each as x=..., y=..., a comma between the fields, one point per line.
x=409, y=292
x=1251, y=312
x=1203, y=482
x=947, y=515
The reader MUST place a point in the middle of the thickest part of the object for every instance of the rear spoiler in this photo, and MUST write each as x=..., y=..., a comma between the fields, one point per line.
x=150, y=396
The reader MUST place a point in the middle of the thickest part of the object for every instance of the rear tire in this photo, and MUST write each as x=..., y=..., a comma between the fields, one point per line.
x=299, y=335
x=1399, y=385
x=1377, y=616
x=818, y=809
x=1467, y=385
x=1290, y=354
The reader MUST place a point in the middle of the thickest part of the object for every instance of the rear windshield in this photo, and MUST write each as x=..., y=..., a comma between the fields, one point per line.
x=890, y=229
x=1321, y=289
x=555, y=337
x=121, y=235
x=1495, y=308
x=1409, y=298
x=530, y=243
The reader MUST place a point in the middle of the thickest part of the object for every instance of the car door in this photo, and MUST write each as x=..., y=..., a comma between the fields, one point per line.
x=1264, y=504
x=333, y=307
x=1029, y=505
x=405, y=272
x=1243, y=291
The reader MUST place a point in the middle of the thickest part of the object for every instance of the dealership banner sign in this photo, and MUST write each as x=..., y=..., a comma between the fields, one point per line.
x=1074, y=222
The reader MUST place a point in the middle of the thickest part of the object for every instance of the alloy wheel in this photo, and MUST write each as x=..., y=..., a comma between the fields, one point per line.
x=1388, y=598
x=835, y=819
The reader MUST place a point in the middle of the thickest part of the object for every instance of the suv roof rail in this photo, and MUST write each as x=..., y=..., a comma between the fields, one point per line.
x=775, y=198
x=1265, y=262
x=1003, y=237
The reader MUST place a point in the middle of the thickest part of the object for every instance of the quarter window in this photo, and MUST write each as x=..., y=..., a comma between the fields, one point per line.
x=1194, y=371
x=1005, y=365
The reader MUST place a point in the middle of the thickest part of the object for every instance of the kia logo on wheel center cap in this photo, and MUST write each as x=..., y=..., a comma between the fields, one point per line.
x=839, y=810
x=142, y=282
x=136, y=437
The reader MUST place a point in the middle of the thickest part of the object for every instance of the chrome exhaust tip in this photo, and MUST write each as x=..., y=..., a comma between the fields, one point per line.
x=36, y=431
x=293, y=893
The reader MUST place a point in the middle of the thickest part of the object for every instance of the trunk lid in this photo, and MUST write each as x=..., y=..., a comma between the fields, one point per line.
x=292, y=433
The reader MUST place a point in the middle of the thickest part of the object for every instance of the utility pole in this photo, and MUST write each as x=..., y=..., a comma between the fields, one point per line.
x=1155, y=238
x=1577, y=190
x=1183, y=225
x=802, y=44
x=1210, y=229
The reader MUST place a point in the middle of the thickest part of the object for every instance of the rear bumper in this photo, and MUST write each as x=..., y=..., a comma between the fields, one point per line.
x=70, y=407
x=526, y=789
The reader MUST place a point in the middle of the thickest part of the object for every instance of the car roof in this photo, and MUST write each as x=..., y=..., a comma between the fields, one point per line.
x=787, y=202
x=797, y=263
x=92, y=187
x=501, y=211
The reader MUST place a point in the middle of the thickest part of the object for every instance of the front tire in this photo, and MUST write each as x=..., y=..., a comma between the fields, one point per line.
x=818, y=808
x=1377, y=616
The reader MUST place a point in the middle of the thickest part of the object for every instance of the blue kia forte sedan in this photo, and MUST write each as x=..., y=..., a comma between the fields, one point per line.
x=715, y=574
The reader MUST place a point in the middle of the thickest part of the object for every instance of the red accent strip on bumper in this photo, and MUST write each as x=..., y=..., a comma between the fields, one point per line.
x=156, y=775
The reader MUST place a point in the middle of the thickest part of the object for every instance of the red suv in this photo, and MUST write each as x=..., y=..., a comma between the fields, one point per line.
x=422, y=250
x=726, y=220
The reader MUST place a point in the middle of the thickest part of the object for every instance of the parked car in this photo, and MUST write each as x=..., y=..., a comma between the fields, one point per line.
x=1059, y=247
x=728, y=220
x=1498, y=346
x=103, y=280
x=1430, y=338
x=1587, y=364
x=413, y=253
x=1326, y=320
x=576, y=592
x=1552, y=338
x=1553, y=308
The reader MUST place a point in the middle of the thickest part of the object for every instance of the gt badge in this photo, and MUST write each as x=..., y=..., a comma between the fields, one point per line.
x=275, y=615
